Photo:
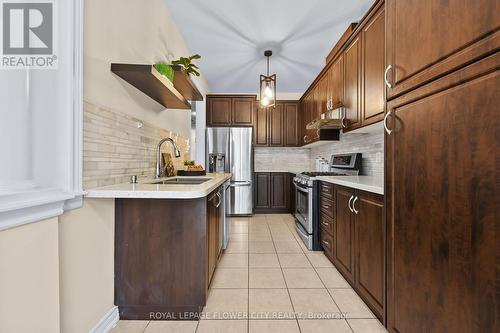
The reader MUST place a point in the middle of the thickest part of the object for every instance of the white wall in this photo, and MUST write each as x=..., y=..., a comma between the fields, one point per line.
x=29, y=278
x=86, y=259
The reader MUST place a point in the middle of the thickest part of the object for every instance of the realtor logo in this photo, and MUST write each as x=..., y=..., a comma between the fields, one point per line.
x=28, y=34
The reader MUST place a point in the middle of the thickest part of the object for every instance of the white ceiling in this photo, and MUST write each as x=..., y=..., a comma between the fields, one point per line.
x=231, y=36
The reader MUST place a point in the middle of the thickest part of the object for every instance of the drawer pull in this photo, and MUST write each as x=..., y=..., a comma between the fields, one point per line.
x=326, y=243
x=325, y=224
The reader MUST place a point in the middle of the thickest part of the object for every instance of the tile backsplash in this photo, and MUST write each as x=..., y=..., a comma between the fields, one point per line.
x=114, y=148
x=371, y=145
x=281, y=159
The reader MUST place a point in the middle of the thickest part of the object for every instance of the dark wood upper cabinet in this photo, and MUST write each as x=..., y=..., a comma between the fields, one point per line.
x=428, y=38
x=291, y=130
x=242, y=111
x=219, y=111
x=372, y=37
x=276, y=116
x=370, y=250
x=442, y=221
x=278, y=126
x=335, y=87
x=344, y=232
x=352, y=84
x=230, y=110
x=261, y=127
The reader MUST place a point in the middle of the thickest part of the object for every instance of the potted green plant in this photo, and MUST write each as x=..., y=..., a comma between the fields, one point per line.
x=187, y=65
x=165, y=70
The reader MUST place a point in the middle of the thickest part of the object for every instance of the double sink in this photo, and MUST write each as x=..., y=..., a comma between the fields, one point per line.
x=183, y=181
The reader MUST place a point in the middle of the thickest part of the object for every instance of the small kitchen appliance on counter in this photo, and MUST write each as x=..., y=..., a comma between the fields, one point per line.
x=307, y=196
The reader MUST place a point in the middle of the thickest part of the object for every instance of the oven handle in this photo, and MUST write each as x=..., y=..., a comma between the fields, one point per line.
x=300, y=188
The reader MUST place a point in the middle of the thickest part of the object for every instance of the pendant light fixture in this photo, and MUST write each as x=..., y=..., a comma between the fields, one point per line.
x=268, y=85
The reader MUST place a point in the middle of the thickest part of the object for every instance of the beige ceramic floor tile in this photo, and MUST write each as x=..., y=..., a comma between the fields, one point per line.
x=177, y=326
x=264, y=260
x=230, y=278
x=332, y=278
x=282, y=236
x=238, y=237
x=226, y=304
x=260, y=237
x=258, y=228
x=350, y=303
x=318, y=259
x=236, y=247
x=130, y=326
x=239, y=229
x=366, y=326
x=302, y=278
x=261, y=247
x=222, y=326
x=273, y=326
x=270, y=304
x=266, y=278
x=324, y=326
x=293, y=260
x=236, y=260
x=287, y=247
x=313, y=304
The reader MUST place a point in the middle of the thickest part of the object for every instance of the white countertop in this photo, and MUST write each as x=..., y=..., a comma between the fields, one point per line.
x=144, y=189
x=372, y=184
x=282, y=170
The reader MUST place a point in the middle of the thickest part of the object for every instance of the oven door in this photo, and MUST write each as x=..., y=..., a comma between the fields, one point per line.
x=303, y=207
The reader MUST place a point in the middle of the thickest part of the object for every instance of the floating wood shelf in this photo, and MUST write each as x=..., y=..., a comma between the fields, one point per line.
x=186, y=86
x=148, y=80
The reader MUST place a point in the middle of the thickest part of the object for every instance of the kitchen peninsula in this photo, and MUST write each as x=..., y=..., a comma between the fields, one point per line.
x=167, y=244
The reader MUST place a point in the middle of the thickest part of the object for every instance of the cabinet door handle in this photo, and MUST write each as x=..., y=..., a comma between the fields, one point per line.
x=349, y=204
x=354, y=207
x=387, y=130
x=325, y=224
x=385, y=77
x=326, y=243
x=343, y=117
x=219, y=200
x=326, y=207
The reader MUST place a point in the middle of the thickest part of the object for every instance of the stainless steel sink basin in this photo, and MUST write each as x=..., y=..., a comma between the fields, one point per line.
x=183, y=181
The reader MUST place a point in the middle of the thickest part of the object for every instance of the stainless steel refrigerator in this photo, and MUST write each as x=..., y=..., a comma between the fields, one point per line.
x=229, y=149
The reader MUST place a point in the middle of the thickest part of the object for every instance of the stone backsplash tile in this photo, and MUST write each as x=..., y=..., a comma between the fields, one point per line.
x=371, y=145
x=114, y=148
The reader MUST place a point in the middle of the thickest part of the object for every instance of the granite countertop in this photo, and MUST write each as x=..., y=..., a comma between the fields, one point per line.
x=374, y=184
x=145, y=189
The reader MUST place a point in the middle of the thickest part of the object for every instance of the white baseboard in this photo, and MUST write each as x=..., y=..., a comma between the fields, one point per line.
x=107, y=322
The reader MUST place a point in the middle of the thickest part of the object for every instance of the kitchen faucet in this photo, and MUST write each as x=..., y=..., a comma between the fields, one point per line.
x=159, y=170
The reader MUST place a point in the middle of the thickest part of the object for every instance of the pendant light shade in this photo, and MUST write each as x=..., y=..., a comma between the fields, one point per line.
x=268, y=86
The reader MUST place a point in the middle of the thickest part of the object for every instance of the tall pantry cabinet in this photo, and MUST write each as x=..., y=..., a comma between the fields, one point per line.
x=442, y=166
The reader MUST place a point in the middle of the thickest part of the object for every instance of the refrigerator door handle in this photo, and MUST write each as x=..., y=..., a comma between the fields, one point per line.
x=238, y=184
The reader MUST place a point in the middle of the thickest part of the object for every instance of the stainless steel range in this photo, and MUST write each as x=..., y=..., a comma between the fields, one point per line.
x=307, y=196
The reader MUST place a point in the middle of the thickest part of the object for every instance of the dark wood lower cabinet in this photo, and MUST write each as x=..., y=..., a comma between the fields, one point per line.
x=352, y=234
x=344, y=232
x=369, y=249
x=165, y=253
x=443, y=204
x=274, y=192
x=213, y=230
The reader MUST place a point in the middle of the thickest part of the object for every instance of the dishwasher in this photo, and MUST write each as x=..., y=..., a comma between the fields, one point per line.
x=226, y=220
